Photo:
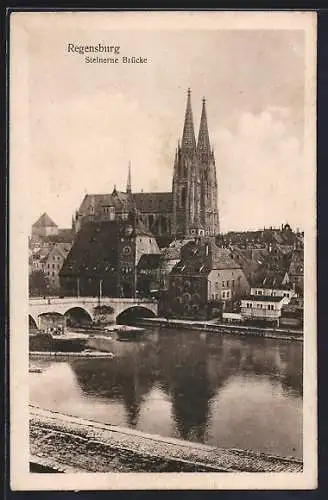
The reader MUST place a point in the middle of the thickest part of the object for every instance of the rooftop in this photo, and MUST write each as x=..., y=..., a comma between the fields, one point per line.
x=44, y=221
x=262, y=298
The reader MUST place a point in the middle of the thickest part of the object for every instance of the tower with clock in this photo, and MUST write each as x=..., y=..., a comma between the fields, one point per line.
x=127, y=260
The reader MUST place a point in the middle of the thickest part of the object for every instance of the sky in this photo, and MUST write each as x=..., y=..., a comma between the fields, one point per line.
x=87, y=121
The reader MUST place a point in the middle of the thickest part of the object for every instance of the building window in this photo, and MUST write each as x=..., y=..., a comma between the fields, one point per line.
x=227, y=283
x=216, y=296
x=223, y=295
x=223, y=283
x=233, y=283
x=216, y=285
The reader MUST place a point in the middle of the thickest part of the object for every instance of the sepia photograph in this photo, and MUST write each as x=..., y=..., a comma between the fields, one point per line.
x=162, y=250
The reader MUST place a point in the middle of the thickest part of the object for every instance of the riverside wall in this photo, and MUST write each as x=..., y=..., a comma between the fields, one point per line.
x=62, y=443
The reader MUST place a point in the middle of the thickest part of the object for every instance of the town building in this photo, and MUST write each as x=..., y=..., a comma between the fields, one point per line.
x=48, y=247
x=170, y=256
x=265, y=291
x=53, y=262
x=205, y=274
x=105, y=256
x=292, y=314
x=44, y=227
x=191, y=208
x=262, y=308
x=296, y=271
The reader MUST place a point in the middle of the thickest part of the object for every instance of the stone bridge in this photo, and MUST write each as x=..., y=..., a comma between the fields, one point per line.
x=88, y=305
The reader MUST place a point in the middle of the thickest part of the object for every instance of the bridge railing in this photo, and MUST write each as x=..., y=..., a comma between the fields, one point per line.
x=86, y=300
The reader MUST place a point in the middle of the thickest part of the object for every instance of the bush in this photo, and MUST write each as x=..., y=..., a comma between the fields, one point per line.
x=104, y=309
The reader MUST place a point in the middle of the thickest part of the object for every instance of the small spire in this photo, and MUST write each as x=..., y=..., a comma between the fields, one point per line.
x=114, y=190
x=188, y=137
x=203, y=144
x=128, y=184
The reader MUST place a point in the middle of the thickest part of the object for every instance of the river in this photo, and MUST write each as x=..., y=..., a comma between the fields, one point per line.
x=225, y=391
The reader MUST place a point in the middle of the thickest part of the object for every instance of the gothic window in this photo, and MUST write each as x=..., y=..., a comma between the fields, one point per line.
x=183, y=198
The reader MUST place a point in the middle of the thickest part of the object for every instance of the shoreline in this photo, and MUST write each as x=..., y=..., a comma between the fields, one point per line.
x=222, y=328
x=68, y=354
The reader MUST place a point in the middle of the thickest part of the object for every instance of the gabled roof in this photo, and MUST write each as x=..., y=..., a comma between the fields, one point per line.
x=223, y=258
x=61, y=248
x=188, y=267
x=149, y=261
x=44, y=221
x=271, y=280
x=94, y=251
x=172, y=252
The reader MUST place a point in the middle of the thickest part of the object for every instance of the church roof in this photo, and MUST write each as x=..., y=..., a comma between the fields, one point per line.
x=145, y=202
x=154, y=202
x=44, y=221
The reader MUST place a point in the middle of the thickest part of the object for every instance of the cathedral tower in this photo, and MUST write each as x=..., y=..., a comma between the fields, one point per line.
x=209, y=188
x=195, y=199
x=187, y=182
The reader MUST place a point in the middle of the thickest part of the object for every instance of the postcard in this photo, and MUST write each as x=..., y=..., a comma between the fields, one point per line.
x=162, y=250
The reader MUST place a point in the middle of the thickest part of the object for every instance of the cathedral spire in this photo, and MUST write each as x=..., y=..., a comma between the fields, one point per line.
x=203, y=144
x=188, y=138
x=128, y=183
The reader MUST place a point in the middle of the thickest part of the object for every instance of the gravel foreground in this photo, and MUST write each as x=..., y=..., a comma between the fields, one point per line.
x=63, y=443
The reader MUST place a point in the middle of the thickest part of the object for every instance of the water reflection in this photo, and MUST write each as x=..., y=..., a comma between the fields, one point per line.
x=224, y=390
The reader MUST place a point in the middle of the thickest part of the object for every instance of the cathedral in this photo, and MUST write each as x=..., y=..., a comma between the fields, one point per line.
x=190, y=210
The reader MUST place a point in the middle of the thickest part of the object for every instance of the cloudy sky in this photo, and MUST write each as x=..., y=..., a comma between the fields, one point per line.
x=87, y=121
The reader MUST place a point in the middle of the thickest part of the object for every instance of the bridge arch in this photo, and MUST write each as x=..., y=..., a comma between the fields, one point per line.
x=32, y=323
x=132, y=313
x=76, y=315
x=50, y=320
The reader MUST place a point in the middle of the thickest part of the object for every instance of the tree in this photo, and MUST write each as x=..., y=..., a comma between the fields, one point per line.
x=38, y=283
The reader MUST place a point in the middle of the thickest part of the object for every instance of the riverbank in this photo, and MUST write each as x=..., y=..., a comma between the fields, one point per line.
x=64, y=355
x=224, y=328
x=65, y=443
